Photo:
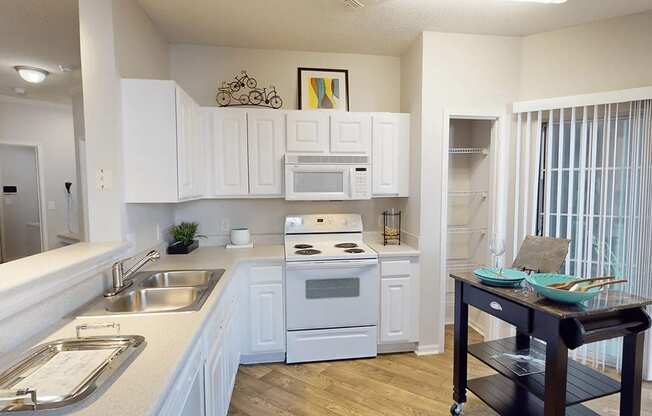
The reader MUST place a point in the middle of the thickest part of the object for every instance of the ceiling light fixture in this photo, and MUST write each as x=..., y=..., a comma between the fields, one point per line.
x=31, y=74
x=354, y=4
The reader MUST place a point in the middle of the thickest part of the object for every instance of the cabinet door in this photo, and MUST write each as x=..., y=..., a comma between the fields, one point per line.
x=350, y=133
x=228, y=141
x=194, y=403
x=396, y=319
x=267, y=332
x=385, y=160
x=188, y=146
x=307, y=132
x=214, y=376
x=266, y=131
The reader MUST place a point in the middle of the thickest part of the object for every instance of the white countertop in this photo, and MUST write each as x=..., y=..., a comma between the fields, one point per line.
x=389, y=251
x=139, y=389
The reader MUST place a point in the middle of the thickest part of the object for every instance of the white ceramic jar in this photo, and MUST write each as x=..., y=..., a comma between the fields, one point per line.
x=240, y=236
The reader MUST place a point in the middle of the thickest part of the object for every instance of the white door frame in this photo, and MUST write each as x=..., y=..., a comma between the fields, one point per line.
x=40, y=178
x=498, y=192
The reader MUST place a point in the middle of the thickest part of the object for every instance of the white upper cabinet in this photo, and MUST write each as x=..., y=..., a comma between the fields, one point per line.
x=390, y=154
x=350, y=133
x=266, y=140
x=227, y=141
x=189, y=147
x=161, y=149
x=307, y=131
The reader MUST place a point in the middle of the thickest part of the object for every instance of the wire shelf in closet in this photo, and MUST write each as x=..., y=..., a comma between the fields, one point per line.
x=468, y=151
x=481, y=194
x=457, y=229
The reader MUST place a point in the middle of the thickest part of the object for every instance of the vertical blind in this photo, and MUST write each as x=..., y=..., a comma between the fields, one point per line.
x=585, y=174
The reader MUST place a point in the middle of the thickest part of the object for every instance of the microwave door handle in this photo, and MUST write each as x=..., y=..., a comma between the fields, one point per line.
x=304, y=265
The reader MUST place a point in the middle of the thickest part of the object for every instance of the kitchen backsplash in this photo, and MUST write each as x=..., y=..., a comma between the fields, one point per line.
x=265, y=217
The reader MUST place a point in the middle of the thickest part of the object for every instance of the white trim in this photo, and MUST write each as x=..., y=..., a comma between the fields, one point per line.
x=261, y=358
x=40, y=178
x=600, y=98
x=431, y=349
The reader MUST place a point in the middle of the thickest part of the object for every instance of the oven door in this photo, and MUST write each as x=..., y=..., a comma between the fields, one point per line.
x=317, y=182
x=332, y=294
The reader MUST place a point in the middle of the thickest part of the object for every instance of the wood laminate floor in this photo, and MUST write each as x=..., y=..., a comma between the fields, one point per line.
x=390, y=385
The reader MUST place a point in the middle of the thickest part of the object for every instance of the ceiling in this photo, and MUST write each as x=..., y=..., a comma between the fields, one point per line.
x=41, y=33
x=382, y=27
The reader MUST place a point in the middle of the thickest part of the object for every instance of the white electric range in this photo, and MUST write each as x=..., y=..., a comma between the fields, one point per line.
x=332, y=286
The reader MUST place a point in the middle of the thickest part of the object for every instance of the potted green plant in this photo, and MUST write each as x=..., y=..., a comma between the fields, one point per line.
x=184, y=235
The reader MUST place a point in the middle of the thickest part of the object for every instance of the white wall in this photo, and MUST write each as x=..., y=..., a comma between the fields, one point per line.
x=141, y=52
x=51, y=126
x=117, y=40
x=603, y=56
x=470, y=74
x=411, y=102
x=265, y=217
x=374, y=86
x=374, y=80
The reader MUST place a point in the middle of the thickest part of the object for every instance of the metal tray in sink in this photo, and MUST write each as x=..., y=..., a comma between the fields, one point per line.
x=63, y=372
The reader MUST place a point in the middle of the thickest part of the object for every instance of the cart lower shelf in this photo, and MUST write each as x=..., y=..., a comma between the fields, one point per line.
x=509, y=399
x=583, y=383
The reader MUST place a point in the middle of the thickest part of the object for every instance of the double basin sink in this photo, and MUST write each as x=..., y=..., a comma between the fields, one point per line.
x=156, y=292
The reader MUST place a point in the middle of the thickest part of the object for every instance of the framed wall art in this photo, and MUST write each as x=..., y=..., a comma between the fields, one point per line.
x=323, y=89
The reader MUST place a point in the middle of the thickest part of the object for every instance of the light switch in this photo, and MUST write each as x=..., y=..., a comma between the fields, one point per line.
x=52, y=205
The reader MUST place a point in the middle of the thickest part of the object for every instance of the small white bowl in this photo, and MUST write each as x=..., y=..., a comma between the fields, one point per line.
x=240, y=236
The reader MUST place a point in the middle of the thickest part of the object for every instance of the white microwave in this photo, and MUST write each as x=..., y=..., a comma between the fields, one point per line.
x=327, y=178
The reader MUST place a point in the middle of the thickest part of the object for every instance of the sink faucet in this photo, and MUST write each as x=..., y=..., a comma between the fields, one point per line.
x=122, y=279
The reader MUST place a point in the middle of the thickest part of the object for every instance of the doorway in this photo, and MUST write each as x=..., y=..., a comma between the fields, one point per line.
x=21, y=225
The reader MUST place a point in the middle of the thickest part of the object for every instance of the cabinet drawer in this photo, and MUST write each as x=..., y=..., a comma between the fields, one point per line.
x=266, y=274
x=395, y=268
x=501, y=308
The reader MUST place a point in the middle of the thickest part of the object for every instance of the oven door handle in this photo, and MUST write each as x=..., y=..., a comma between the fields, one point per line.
x=334, y=264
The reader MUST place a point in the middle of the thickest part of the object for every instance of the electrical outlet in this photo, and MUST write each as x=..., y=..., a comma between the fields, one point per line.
x=157, y=230
x=380, y=220
x=104, y=180
x=226, y=225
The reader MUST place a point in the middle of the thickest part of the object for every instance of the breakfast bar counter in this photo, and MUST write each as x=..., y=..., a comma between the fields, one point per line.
x=565, y=384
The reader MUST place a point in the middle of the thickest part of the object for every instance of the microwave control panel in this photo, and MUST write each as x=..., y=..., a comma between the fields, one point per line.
x=360, y=183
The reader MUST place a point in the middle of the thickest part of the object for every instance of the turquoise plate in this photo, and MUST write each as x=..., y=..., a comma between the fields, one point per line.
x=506, y=275
x=539, y=282
x=508, y=278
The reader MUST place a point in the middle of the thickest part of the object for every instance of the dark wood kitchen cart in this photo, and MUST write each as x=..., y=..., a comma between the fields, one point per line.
x=565, y=383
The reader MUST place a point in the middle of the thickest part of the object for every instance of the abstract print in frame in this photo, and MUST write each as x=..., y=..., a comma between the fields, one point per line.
x=323, y=89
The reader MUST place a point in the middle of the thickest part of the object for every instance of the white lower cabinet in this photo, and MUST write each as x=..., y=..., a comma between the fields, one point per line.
x=399, y=314
x=264, y=340
x=247, y=325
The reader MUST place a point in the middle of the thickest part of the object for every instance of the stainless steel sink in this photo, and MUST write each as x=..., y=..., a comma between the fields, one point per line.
x=178, y=278
x=155, y=300
x=158, y=292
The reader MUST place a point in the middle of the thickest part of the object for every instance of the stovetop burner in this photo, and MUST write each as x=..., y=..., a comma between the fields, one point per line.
x=307, y=252
x=354, y=250
x=302, y=246
x=346, y=245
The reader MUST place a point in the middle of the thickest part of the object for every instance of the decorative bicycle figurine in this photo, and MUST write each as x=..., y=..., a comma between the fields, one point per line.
x=269, y=97
x=241, y=81
x=223, y=96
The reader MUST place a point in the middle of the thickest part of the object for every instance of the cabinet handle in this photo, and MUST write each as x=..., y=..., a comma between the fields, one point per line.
x=496, y=306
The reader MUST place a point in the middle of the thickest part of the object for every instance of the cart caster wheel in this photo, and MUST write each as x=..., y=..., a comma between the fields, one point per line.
x=456, y=409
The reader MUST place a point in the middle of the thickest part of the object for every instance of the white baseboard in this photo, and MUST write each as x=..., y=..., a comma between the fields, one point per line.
x=268, y=357
x=399, y=347
x=431, y=349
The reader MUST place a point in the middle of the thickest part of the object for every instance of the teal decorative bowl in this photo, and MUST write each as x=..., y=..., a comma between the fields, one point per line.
x=539, y=282
x=507, y=278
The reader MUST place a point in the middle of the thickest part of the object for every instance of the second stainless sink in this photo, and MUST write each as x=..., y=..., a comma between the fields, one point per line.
x=156, y=292
x=178, y=278
x=155, y=300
